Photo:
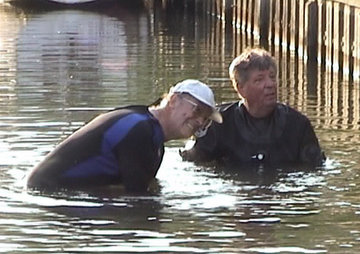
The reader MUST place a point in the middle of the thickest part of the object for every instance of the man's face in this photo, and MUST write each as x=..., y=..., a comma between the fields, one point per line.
x=260, y=91
x=191, y=115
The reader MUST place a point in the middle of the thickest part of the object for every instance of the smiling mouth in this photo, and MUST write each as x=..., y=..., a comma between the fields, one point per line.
x=192, y=127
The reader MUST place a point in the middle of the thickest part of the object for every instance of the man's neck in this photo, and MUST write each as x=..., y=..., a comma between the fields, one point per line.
x=258, y=113
x=160, y=115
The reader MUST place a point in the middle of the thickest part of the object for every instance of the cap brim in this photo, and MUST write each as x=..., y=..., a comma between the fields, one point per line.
x=216, y=116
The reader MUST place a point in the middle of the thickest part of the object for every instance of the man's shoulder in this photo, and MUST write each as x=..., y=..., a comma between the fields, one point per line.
x=123, y=118
x=130, y=109
x=136, y=113
x=228, y=107
x=228, y=112
x=290, y=117
x=286, y=109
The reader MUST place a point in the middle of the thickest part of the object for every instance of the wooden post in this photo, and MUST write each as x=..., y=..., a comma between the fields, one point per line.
x=264, y=23
x=312, y=32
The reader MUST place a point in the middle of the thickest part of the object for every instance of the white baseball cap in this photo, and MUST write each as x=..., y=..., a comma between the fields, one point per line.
x=201, y=92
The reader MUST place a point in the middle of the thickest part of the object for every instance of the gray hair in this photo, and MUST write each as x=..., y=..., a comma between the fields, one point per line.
x=250, y=59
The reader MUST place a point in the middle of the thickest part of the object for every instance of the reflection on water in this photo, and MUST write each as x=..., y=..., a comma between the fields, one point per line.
x=59, y=68
x=71, y=47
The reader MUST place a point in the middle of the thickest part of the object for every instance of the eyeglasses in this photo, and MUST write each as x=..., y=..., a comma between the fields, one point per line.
x=198, y=113
x=196, y=108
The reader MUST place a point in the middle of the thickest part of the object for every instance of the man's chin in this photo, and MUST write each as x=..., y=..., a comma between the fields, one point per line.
x=271, y=103
x=186, y=133
x=190, y=130
x=185, y=136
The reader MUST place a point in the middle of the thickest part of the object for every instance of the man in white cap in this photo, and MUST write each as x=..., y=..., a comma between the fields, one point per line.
x=126, y=145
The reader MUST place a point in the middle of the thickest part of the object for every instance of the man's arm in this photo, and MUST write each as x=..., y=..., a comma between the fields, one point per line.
x=310, y=151
x=204, y=148
x=137, y=158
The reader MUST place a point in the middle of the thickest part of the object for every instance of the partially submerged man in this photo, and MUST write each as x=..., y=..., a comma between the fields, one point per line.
x=126, y=146
x=257, y=130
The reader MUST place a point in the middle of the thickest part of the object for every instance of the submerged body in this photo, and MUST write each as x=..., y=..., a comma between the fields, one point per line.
x=283, y=138
x=126, y=146
x=106, y=151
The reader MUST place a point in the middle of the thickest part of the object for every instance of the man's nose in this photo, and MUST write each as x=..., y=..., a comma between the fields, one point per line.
x=270, y=82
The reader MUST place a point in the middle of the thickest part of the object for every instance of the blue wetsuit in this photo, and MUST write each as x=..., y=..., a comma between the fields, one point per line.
x=286, y=137
x=123, y=146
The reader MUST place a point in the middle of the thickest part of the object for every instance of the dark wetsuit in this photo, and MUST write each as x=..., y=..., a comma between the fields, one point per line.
x=123, y=146
x=284, y=138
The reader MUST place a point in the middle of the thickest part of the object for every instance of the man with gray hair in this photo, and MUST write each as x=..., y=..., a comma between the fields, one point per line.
x=257, y=130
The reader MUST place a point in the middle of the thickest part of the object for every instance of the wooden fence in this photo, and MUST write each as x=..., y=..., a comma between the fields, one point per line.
x=321, y=31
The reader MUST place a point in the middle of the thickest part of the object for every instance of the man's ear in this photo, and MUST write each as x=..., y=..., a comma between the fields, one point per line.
x=173, y=99
x=234, y=84
x=239, y=88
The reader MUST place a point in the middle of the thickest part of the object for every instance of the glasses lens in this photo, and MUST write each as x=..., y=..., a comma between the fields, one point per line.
x=198, y=113
x=203, y=130
x=195, y=106
x=207, y=123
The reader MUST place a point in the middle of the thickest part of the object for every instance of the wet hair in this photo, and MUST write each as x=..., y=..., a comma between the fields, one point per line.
x=250, y=59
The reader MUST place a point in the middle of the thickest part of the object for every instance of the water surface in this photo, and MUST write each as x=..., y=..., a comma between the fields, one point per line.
x=59, y=67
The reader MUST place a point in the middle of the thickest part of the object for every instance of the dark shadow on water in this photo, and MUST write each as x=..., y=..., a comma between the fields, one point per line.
x=110, y=206
x=98, y=193
x=38, y=6
x=260, y=175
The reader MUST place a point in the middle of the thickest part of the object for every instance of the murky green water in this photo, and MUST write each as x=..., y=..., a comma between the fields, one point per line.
x=60, y=67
